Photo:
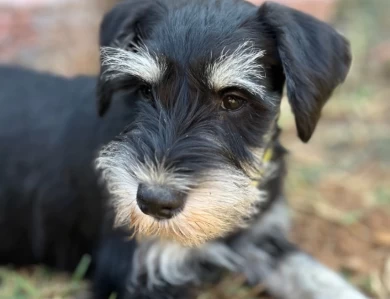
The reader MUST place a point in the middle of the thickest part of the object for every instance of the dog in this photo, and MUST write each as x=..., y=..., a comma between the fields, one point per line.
x=178, y=175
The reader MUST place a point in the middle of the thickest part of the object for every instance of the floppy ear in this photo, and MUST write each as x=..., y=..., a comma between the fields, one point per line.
x=315, y=59
x=122, y=28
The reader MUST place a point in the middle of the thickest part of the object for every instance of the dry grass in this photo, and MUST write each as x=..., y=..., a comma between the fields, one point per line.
x=338, y=184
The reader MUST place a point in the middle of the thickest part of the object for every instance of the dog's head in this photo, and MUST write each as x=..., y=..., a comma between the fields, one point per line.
x=208, y=77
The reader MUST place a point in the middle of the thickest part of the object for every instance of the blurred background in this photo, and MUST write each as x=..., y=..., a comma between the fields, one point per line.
x=338, y=185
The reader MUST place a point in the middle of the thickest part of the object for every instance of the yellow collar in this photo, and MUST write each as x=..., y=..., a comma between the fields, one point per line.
x=267, y=157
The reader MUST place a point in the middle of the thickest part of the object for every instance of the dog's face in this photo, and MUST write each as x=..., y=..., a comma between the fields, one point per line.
x=208, y=78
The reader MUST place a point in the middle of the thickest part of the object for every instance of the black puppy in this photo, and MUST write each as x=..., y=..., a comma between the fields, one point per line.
x=196, y=173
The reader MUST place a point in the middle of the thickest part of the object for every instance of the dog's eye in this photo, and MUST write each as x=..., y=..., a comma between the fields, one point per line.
x=232, y=102
x=146, y=92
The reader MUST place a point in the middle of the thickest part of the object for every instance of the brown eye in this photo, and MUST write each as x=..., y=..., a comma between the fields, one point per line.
x=146, y=92
x=231, y=102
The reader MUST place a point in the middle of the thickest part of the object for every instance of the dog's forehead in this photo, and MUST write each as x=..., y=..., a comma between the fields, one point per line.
x=212, y=41
x=192, y=30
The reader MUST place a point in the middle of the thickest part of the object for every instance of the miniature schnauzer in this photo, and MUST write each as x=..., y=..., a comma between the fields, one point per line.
x=189, y=158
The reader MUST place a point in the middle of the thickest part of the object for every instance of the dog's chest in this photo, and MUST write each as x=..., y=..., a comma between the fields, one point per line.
x=168, y=262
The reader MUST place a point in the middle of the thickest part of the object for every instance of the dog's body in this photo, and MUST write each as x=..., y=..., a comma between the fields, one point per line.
x=197, y=172
x=51, y=204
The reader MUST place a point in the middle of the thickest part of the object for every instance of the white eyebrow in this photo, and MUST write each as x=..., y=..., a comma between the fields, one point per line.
x=141, y=64
x=238, y=68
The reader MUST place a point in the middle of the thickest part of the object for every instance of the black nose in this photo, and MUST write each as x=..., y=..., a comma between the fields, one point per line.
x=159, y=202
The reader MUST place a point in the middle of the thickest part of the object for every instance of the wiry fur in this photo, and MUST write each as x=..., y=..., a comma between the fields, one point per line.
x=305, y=282
x=173, y=263
x=142, y=64
x=238, y=68
x=217, y=204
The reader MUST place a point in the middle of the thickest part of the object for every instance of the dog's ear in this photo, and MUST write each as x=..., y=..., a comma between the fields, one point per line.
x=315, y=59
x=121, y=24
x=123, y=27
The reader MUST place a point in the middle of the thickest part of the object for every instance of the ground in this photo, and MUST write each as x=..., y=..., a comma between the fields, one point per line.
x=338, y=184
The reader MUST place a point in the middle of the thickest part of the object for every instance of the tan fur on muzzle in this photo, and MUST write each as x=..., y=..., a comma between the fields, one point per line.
x=216, y=206
x=213, y=210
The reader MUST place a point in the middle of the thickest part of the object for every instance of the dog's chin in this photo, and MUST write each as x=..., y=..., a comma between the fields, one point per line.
x=213, y=210
x=189, y=232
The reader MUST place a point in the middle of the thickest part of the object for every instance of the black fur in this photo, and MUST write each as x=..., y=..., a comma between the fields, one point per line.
x=314, y=57
x=309, y=54
x=52, y=208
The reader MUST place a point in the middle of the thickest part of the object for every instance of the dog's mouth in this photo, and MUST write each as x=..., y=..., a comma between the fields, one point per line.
x=212, y=210
x=159, y=202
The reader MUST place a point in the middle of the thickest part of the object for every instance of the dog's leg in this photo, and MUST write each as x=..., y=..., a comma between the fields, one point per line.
x=303, y=277
x=286, y=271
x=117, y=261
x=113, y=265
x=290, y=273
